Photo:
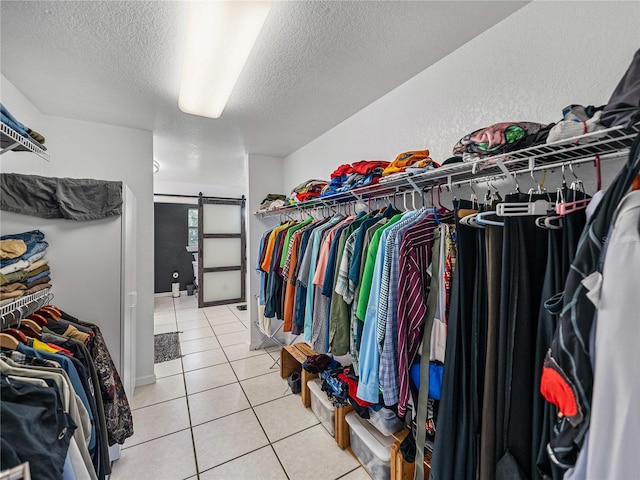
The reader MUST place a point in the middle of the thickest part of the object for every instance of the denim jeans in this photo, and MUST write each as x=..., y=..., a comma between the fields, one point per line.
x=34, y=241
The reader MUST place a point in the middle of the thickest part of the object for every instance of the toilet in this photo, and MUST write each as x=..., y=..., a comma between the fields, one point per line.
x=193, y=250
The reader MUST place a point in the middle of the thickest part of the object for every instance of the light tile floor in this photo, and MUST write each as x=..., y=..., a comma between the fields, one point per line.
x=222, y=411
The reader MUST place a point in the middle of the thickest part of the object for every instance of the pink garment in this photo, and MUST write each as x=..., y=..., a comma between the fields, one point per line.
x=323, y=257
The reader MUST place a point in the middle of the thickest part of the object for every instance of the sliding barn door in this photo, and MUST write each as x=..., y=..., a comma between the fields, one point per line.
x=221, y=251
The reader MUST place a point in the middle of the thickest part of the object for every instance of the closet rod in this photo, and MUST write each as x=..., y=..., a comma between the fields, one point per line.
x=485, y=178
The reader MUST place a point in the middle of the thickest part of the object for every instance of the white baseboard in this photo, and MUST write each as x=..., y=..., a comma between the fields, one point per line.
x=169, y=294
x=145, y=380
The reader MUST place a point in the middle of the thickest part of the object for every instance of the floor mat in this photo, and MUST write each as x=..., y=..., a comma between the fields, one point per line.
x=166, y=347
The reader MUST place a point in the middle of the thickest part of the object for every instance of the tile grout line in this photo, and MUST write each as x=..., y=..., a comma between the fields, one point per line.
x=186, y=397
x=256, y=417
x=351, y=471
x=252, y=407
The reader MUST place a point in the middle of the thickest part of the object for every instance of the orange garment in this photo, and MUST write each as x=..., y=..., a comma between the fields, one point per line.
x=404, y=160
x=269, y=251
x=291, y=284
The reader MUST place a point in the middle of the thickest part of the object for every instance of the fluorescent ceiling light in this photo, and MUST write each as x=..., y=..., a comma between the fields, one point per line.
x=220, y=36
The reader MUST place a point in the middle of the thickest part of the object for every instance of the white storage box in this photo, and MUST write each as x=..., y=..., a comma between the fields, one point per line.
x=371, y=447
x=322, y=406
x=385, y=420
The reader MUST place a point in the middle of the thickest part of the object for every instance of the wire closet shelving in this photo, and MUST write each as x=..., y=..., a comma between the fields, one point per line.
x=13, y=140
x=604, y=144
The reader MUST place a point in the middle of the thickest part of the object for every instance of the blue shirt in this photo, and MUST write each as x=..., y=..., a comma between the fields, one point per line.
x=76, y=383
x=315, y=250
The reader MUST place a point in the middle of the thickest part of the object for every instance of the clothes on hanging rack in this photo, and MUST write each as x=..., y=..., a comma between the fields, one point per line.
x=405, y=292
x=75, y=421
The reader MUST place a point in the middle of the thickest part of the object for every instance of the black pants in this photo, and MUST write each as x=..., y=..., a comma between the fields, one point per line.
x=523, y=272
x=487, y=460
x=453, y=455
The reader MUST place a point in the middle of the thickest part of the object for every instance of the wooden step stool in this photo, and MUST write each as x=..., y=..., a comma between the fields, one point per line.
x=291, y=359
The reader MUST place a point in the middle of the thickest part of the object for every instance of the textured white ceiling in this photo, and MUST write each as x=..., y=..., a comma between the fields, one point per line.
x=315, y=64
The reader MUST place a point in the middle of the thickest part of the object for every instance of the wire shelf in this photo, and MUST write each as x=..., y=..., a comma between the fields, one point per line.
x=32, y=303
x=608, y=144
x=14, y=140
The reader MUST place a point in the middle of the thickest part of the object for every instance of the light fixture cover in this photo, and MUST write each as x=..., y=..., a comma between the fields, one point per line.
x=220, y=36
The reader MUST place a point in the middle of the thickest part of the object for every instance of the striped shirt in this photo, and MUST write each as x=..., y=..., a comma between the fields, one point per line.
x=413, y=285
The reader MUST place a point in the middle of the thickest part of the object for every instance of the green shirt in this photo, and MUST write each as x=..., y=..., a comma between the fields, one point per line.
x=367, y=275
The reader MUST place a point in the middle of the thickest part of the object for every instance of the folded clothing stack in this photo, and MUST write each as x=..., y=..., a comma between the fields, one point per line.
x=273, y=201
x=307, y=190
x=23, y=269
x=501, y=138
x=23, y=130
x=359, y=174
x=577, y=120
x=414, y=161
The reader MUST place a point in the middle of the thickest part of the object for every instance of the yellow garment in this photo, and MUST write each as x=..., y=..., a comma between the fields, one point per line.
x=36, y=264
x=427, y=162
x=12, y=248
x=38, y=345
x=73, y=332
x=404, y=160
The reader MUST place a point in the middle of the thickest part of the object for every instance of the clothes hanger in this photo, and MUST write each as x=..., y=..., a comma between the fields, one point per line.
x=548, y=222
x=565, y=208
x=17, y=334
x=521, y=209
x=7, y=341
x=442, y=207
x=464, y=212
x=30, y=329
x=39, y=319
x=481, y=218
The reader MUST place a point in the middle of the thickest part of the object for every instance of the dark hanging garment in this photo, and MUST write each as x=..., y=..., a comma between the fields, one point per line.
x=561, y=248
x=545, y=414
x=478, y=341
x=273, y=307
x=493, y=245
x=624, y=105
x=567, y=378
x=523, y=270
x=119, y=421
x=453, y=454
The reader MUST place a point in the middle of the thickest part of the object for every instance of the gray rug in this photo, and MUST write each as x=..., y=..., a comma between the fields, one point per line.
x=167, y=347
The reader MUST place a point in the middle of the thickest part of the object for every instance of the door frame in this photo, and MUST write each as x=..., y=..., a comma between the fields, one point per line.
x=241, y=202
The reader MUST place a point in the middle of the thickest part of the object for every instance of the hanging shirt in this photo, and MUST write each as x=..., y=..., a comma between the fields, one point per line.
x=320, y=326
x=308, y=273
x=414, y=259
x=367, y=276
x=301, y=274
x=368, y=385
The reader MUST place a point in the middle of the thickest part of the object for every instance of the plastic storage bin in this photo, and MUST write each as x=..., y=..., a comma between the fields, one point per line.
x=371, y=447
x=385, y=420
x=322, y=406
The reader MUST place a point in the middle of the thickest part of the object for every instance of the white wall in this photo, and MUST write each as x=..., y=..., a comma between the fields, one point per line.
x=265, y=176
x=542, y=58
x=91, y=150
